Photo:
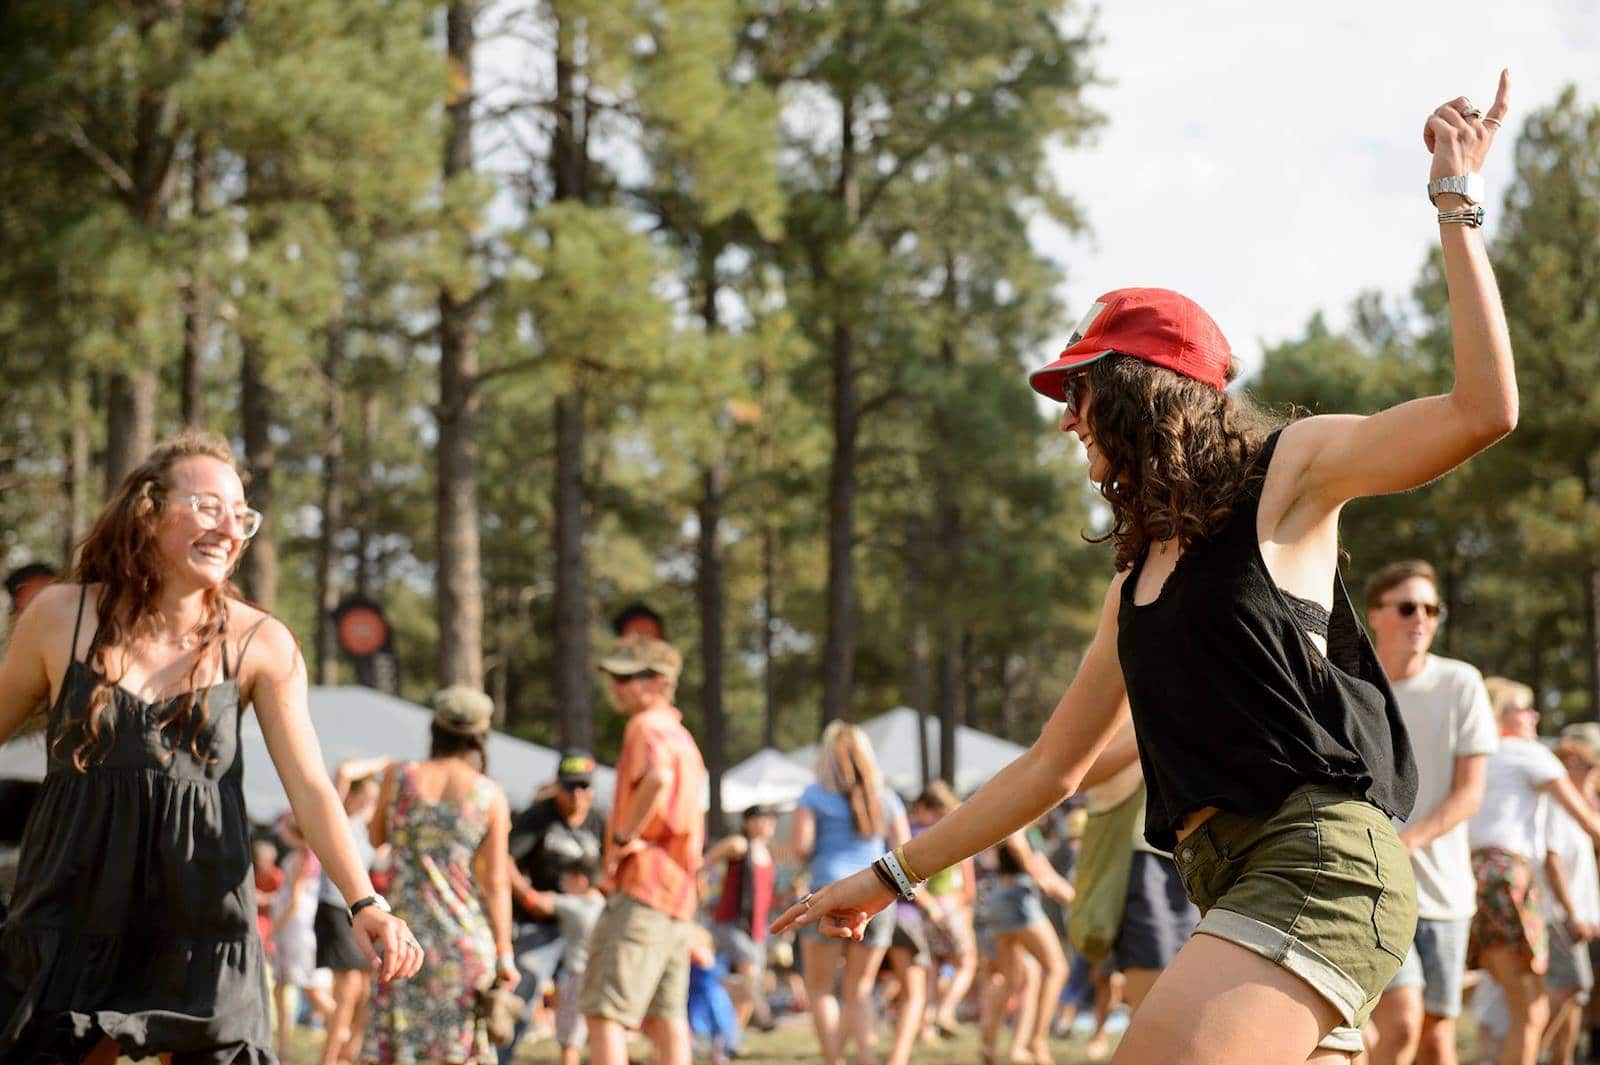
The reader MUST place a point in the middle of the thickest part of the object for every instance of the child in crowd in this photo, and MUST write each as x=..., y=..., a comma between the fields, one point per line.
x=576, y=907
x=711, y=1014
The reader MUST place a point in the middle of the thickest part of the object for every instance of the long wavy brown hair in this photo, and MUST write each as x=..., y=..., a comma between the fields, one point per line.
x=1180, y=452
x=121, y=556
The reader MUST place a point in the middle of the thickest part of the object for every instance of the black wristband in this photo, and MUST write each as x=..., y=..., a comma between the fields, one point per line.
x=881, y=870
x=361, y=904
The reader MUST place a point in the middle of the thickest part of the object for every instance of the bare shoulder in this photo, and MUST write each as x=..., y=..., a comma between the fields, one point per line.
x=53, y=609
x=266, y=646
x=45, y=628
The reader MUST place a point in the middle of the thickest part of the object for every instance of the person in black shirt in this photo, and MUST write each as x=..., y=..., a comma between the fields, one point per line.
x=557, y=830
x=1273, y=751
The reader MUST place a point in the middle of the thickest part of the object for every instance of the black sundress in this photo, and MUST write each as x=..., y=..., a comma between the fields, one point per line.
x=135, y=914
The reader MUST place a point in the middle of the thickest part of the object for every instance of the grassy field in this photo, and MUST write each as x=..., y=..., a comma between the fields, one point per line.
x=793, y=1042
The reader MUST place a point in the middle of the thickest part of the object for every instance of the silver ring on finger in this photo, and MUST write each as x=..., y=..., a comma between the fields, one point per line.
x=1472, y=112
x=1495, y=122
x=806, y=902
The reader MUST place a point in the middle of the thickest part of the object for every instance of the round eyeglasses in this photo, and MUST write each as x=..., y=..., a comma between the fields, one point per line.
x=212, y=512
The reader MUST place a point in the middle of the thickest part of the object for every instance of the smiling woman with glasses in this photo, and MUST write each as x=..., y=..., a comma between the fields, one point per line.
x=133, y=926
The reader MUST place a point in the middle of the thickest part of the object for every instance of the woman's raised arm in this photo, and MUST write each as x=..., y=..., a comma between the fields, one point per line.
x=1342, y=457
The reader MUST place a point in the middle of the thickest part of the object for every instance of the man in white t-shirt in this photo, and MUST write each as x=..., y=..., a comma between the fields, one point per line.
x=1453, y=732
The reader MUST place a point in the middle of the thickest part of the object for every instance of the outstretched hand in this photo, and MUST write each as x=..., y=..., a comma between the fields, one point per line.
x=842, y=909
x=1459, y=136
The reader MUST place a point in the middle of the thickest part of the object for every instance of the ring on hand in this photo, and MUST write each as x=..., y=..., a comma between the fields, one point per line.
x=1472, y=112
x=1495, y=122
x=806, y=902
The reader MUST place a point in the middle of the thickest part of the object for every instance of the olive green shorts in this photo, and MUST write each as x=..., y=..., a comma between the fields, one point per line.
x=1323, y=888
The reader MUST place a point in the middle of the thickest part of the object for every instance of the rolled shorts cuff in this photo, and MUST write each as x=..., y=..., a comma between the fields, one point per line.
x=1283, y=949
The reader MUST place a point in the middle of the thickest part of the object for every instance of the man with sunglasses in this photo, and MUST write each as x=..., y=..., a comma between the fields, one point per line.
x=1453, y=731
x=560, y=828
x=638, y=971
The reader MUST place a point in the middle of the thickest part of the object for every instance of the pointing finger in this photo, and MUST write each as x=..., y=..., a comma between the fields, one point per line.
x=1502, y=98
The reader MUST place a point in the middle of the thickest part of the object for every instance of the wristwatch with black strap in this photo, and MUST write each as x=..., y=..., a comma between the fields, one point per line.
x=371, y=900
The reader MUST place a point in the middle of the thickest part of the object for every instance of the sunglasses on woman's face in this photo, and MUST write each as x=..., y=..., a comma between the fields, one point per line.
x=1408, y=608
x=1076, y=394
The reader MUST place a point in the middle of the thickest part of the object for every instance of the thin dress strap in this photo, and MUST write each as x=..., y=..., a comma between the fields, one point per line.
x=244, y=645
x=83, y=593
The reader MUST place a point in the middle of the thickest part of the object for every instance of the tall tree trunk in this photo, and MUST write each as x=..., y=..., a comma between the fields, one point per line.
x=76, y=523
x=574, y=685
x=259, y=567
x=914, y=602
x=709, y=586
x=950, y=665
x=921, y=691
x=460, y=593
x=130, y=422
x=1591, y=594
x=332, y=505
x=709, y=590
x=839, y=643
x=366, y=414
x=197, y=297
x=769, y=624
x=949, y=552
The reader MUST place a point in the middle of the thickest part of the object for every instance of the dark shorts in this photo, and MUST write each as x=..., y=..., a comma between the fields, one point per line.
x=1013, y=906
x=1569, y=968
x=736, y=944
x=911, y=933
x=1322, y=888
x=1157, y=917
x=336, y=944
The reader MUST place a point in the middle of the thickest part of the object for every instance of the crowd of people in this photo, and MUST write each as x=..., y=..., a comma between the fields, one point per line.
x=1077, y=913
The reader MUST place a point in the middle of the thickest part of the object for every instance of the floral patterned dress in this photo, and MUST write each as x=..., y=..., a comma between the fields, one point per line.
x=432, y=1017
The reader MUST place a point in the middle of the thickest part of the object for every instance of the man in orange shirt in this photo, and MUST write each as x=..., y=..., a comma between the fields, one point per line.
x=638, y=972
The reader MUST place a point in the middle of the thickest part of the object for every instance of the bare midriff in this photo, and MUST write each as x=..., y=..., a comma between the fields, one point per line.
x=1192, y=821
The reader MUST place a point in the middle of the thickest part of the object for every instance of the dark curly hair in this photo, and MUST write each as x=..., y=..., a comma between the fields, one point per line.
x=1180, y=452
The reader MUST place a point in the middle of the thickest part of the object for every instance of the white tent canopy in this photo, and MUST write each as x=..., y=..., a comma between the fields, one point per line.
x=768, y=778
x=351, y=722
x=979, y=755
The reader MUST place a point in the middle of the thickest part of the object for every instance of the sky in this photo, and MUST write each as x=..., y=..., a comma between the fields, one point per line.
x=1266, y=159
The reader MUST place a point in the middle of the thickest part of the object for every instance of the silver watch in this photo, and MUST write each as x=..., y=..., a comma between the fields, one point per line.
x=1469, y=187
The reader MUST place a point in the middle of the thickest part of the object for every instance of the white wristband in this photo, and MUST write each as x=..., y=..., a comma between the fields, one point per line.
x=908, y=890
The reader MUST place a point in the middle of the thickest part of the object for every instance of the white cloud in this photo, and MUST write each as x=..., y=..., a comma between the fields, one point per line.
x=1266, y=158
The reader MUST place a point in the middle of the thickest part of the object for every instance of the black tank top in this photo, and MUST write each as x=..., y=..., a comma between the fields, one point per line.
x=1233, y=704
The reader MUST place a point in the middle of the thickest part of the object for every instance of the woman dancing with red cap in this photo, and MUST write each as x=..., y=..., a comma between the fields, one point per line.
x=1272, y=748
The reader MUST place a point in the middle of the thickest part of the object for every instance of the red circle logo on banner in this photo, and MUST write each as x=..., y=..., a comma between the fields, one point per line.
x=362, y=631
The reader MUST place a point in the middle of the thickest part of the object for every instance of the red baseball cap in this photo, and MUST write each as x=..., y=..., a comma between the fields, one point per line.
x=1153, y=324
